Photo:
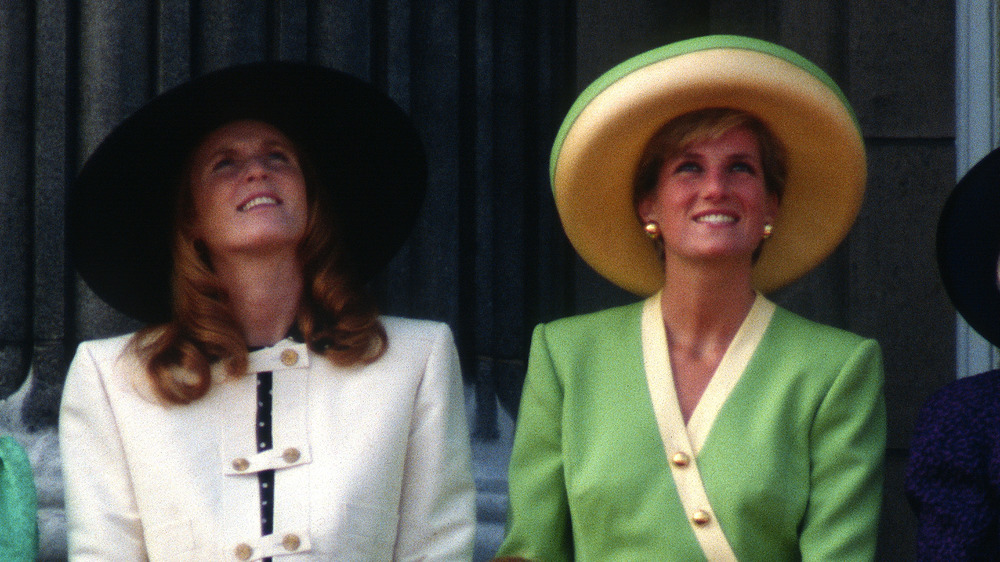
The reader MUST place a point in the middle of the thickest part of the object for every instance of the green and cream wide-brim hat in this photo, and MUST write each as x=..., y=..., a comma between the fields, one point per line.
x=597, y=150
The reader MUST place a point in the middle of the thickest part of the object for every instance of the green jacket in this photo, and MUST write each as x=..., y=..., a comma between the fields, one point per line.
x=792, y=464
x=18, y=504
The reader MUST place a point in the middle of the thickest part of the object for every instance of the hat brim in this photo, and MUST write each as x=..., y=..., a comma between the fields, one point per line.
x=968, y=246
x=368, y=157
x=596, y=153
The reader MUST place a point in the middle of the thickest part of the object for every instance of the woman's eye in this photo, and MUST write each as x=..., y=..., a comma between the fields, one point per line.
x=278, y=156
x=744, y=167
x=222, y=164
x=688, y=167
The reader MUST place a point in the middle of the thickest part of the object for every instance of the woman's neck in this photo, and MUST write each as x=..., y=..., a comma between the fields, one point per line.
x=704, y=305
x=264, y=293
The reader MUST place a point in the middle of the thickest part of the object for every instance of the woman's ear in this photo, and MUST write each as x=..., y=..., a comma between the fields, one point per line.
x=771, y=211
x=645, y=210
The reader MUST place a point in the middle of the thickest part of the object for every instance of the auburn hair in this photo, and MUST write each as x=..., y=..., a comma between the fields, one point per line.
x=337, y=317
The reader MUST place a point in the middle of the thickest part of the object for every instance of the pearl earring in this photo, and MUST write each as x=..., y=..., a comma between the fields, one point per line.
x=768, y=229
x=652, y=230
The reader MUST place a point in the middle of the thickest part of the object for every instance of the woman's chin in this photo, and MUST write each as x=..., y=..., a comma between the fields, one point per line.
x=719, y=255
x=255, y=238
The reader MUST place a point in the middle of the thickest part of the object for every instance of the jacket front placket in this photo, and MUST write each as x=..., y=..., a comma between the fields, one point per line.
x=288, y=456
x=682, y=442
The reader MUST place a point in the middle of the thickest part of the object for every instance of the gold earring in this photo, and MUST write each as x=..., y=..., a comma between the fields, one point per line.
x=652, y=230
x=768, y=229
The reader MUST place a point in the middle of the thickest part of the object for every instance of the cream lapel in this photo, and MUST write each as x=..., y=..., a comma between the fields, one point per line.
x=681, y=444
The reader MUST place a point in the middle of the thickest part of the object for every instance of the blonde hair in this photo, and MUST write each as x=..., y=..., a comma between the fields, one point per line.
x=337, y=317
x=702, y=125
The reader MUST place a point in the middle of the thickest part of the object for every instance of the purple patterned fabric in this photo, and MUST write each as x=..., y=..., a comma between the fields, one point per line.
x=953, y=476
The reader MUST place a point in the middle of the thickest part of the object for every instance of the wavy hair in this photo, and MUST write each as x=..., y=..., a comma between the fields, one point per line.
x=336, y=317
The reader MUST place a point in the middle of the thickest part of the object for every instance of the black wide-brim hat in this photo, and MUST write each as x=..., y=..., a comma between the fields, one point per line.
x=968, y=245
x=367, y=154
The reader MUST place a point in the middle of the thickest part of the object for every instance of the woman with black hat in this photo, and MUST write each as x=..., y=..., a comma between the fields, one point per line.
x=953, y=474
x=268, y=410
x=705, y=422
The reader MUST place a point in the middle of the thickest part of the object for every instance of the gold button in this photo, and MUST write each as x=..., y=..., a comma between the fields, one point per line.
x=291, y=455
x=241, y=464
x=291, y=542
x=243, y=551
x=289, y=357
x=701, y=517
x=680, y=459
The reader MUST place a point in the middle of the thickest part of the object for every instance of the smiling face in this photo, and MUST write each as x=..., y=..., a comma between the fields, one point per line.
x=248, y=190
x=710, y=200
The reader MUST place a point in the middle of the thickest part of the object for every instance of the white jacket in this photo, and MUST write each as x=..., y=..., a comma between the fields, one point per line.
x=372, y=463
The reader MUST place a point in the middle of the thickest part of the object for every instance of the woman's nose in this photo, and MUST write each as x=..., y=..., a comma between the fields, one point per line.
x=255, y=168
x=715, y=184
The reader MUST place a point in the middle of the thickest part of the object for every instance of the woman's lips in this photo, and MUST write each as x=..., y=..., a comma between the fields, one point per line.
x=716, y=218
x=257, y=201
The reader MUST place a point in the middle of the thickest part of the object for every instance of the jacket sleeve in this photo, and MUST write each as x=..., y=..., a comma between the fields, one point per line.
x=438, y=505
x=847, y=454
x=947, y=478
x=101, y=512
x=18, y=504
x=538, y=520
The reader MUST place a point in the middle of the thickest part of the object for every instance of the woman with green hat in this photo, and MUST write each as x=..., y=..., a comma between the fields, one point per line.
x=268, y=410
x=704, y=422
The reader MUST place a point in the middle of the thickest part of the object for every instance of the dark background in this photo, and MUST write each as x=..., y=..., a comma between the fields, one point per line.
x=487, y=83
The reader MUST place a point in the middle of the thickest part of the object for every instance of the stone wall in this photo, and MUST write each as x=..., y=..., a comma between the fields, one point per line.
x=487, y=82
